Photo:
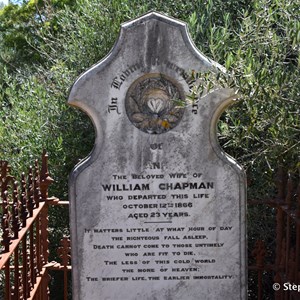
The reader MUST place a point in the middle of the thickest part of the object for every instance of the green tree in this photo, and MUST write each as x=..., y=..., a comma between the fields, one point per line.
x=259, y=46
x=19, y=30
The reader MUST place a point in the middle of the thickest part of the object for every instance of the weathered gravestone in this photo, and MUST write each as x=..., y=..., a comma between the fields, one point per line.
x=157, y=209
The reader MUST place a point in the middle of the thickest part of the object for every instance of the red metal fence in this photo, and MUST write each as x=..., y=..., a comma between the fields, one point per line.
x=283, y=261
x=24, y=250
x=24, y=229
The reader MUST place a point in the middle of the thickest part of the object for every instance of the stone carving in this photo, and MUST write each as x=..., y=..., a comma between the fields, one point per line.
x=158, y=210
x=152, y=104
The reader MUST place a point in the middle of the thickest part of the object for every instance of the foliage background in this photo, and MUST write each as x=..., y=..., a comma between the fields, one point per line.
x=45, y=45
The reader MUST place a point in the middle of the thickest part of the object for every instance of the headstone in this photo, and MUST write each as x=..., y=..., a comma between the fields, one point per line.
x=157, y=209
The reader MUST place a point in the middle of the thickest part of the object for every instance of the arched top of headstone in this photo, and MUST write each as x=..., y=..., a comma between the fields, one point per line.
x=180, y=28
x=152, y=40
x=159, y=24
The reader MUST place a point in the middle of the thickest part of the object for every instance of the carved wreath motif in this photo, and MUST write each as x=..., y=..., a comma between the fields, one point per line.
x=152, y=104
